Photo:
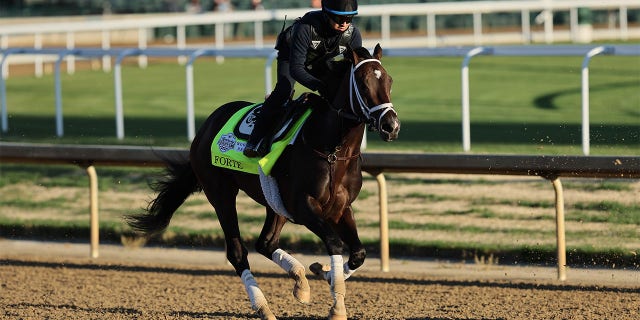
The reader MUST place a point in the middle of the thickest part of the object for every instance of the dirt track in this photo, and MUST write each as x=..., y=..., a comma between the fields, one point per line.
x=71, y=287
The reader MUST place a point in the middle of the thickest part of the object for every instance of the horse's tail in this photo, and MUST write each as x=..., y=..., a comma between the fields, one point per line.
x=178, y=184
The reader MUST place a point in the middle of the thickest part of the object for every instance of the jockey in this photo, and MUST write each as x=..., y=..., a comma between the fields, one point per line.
x=304, y=52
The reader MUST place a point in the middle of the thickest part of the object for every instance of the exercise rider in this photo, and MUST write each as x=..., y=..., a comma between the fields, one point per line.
x=305, y=50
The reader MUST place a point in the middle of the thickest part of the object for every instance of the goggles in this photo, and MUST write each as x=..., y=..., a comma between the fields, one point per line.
x=340, y=19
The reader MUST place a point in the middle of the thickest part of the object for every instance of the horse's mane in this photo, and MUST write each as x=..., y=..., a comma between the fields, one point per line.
x=341, y=67
x=361, y=52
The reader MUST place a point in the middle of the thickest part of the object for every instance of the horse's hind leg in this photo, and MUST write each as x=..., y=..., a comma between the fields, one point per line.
x=223, y=199
x=268, y=246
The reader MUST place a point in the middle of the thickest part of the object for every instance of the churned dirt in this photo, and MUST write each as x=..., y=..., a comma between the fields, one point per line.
x=55, y=281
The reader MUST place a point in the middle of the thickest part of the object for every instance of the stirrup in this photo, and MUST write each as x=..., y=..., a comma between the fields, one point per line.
x=251, y=150
x=254, y=151
x=263, y=147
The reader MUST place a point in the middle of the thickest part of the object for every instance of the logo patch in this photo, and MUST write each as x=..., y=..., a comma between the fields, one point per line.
x=247, y=125
x=342, y=48
x=315, y=43
x=227, y=142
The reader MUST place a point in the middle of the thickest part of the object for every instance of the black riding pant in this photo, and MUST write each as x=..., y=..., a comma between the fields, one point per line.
x=272, y=110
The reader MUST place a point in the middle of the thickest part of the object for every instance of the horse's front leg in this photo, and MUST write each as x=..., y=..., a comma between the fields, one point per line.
x=268, y=245
x=348, y=232
x=335, y=275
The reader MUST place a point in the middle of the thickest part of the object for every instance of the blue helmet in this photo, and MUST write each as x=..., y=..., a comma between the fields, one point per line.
x=340, y=7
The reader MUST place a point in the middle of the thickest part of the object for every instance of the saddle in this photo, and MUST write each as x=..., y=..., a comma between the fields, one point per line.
x=230, y=141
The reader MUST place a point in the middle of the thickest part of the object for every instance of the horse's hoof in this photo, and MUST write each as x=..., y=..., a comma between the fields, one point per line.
x=319, y=269
x=333, y=316
x=265, y=313
x=301, y=289
x=303, y=296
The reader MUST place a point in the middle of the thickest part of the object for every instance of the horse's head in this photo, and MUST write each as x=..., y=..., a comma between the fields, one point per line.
x=370, y=92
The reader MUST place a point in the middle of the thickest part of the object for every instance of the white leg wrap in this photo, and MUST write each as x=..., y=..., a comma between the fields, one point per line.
x=295, y=270
x=337, y=275
x=255, y=294
x=347, y=272
x=338, y=288
x=285, y=260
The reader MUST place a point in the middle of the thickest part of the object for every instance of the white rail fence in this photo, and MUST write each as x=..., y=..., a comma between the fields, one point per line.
x=586, y=51
x=105, y=28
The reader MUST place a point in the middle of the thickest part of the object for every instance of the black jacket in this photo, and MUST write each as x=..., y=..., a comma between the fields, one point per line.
x=310, y=44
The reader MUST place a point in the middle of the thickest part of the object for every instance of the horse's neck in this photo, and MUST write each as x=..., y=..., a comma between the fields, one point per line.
x=326, y=129
x=330, y=129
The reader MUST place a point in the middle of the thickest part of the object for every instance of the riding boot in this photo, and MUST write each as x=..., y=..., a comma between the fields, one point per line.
x=259, y=143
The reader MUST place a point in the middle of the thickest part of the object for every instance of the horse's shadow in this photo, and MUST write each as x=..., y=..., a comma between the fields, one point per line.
x=114, y=311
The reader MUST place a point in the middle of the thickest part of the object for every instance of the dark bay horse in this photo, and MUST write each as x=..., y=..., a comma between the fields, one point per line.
x=319, y=176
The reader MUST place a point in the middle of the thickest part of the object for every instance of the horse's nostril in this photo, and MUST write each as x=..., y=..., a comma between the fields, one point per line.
x=391, y=127
x=388, y=127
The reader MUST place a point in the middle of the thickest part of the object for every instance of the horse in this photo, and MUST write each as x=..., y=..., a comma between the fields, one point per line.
x=319, y=176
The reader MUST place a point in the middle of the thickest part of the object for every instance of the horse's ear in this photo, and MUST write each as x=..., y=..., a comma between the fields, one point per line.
x=377, y=52
x=350, y=55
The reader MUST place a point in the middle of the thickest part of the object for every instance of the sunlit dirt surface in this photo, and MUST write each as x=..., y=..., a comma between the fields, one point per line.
x=81, y=288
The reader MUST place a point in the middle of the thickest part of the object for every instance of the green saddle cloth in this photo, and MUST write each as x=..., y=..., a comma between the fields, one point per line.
x=227, y=146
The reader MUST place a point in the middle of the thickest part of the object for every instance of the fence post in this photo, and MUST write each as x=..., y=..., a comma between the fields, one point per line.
x=142, y=45
x=3, y=93
x=384, y=222
x=71, y=60
x=586, y=144
x=117, y=76
x=181, y=41
x=58, y=92
x=267, y=73
x=466, y=126
x=106, y=45
x=385, y=29
x=561, y=246
x=258, y=34
x=93, y=210
x=432, y=37
x=477, y=28
x=526, y=26
x=624, y=27
x=219, y=40
x=39, y=61
x=191, y=118
x=4, y=45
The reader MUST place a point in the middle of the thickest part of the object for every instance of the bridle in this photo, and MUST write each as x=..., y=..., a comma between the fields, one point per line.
x=363, y=109
x=357, y=113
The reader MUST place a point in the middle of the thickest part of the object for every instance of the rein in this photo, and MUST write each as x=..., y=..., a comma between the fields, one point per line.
x=333, y=157
x=364, y=109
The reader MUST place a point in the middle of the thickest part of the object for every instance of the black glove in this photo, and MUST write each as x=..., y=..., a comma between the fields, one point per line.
x=323, y=91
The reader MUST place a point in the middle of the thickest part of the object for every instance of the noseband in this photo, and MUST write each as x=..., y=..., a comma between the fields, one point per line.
x=365, y=110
